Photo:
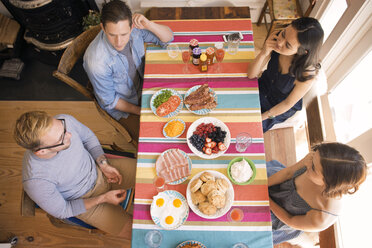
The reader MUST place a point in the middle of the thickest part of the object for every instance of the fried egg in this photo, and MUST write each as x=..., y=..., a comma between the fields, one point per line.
x=161, y=203
x=169, y=221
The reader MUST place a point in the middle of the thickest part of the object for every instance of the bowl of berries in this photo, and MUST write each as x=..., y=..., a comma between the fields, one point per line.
x=208, y=137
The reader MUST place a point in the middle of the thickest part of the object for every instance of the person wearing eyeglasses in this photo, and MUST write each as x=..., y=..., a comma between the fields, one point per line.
x=66, y=173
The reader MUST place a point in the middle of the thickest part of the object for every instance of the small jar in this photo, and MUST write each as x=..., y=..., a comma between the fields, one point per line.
x=203, y=64
x=210, y=55
x=196, y=52
x=193, y=44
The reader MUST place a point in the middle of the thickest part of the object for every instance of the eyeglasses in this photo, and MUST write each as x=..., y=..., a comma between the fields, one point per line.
x=63, y=137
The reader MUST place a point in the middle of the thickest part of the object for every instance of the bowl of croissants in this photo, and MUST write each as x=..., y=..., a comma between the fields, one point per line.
x=210, y=194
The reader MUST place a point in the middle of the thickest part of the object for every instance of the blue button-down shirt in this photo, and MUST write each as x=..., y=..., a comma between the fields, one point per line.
x=107, y=69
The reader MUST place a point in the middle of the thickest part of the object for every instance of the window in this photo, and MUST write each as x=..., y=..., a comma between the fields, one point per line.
x=351, y=102
x=331, y=16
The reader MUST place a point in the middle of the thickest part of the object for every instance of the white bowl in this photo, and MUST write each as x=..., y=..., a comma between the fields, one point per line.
x=229, y=196
x=215, y=122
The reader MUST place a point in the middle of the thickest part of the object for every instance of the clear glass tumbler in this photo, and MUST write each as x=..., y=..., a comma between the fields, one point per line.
x=153, y=239
x=243, y=140
x=240, y=245
x=233, y=43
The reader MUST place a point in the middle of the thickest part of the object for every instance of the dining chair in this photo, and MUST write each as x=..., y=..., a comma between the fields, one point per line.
x=71, y=55
x=29, y=207
x=282, y=13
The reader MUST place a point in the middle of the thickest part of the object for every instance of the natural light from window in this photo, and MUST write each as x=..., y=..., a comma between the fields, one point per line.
x=334, y=12
x=356, y=215
x=351, y=102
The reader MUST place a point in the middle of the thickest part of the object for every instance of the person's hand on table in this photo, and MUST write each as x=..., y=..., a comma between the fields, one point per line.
x=140, y=21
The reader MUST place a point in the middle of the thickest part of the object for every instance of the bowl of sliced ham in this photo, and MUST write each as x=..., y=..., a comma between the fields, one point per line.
x=174, y=165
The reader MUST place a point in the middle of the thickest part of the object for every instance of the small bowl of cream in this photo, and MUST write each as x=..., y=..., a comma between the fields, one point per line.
x=241, y=171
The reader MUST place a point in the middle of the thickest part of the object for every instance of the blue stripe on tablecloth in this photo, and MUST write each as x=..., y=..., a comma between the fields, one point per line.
x=211, y=239
x=235, y=101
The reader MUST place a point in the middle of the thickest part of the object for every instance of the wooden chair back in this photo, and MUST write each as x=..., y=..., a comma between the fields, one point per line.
x=72, y=54
x=278, y=24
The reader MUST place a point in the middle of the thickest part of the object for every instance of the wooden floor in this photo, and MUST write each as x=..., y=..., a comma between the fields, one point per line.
x=38, y=231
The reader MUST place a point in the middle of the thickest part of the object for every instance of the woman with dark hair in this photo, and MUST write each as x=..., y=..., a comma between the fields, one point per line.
x=294, y=63
x=307, y=195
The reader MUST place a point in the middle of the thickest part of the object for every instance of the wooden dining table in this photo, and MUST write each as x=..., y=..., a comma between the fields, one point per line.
x=238, y=107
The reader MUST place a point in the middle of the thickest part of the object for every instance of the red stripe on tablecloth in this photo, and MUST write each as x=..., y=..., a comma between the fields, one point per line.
x=205, y=26
x=225, y=67
x=242, y=193
x=155, y=129
x=228, y=82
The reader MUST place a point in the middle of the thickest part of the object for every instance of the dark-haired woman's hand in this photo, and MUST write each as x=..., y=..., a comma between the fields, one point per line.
x=270, y=44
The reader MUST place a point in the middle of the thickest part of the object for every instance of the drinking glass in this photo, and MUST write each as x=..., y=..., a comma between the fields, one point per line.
x=240, y=245
x=173, y=50
x=243, y=140
x=186, y=58
x=233, y=42
x=159, y=183
x=235, y=215
x=220, y=54
x=153, y=239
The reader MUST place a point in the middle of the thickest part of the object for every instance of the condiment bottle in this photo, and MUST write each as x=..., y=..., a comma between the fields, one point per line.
x=203, y=65
x=210, y=55
x=196, y=55
x=193, y=44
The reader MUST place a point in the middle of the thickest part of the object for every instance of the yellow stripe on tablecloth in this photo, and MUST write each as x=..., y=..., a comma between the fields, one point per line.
x=161, y=56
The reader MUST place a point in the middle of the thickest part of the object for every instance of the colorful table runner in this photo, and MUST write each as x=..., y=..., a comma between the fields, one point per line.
x=238, y=107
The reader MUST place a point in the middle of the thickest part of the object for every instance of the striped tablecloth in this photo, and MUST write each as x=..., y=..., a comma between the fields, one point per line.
x=238, y=107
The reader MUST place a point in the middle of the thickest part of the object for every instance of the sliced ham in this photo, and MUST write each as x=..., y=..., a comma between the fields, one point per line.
x=172, y=166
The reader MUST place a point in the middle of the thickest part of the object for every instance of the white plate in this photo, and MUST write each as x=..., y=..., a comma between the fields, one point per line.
x=190, y=242
x=229, y=196
x=174, y=93
x=188, y=160
x=170, y=193
x=200, y=111
x=215, y=122
x=183, y=130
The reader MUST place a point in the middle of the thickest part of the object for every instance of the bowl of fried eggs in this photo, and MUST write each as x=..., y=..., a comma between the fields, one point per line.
x=169, y=209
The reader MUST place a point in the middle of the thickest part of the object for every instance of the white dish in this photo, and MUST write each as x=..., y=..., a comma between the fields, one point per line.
x=172, y=194
x=174, y=93
x=200, y=111
x=188, y=160
x=215, y=122
x=229, y=196
x=183, y=130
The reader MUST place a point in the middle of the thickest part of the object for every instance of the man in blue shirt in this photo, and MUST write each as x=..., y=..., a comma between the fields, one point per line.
x=114, y=61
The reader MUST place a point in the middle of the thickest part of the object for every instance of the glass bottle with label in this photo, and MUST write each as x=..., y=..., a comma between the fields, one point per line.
x=196, y=52
x=193, y=44
x=203, y=64
x=210, y=55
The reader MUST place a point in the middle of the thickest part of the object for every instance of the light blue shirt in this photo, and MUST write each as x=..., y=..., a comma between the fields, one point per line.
x=107, y=69
x=56, y=184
